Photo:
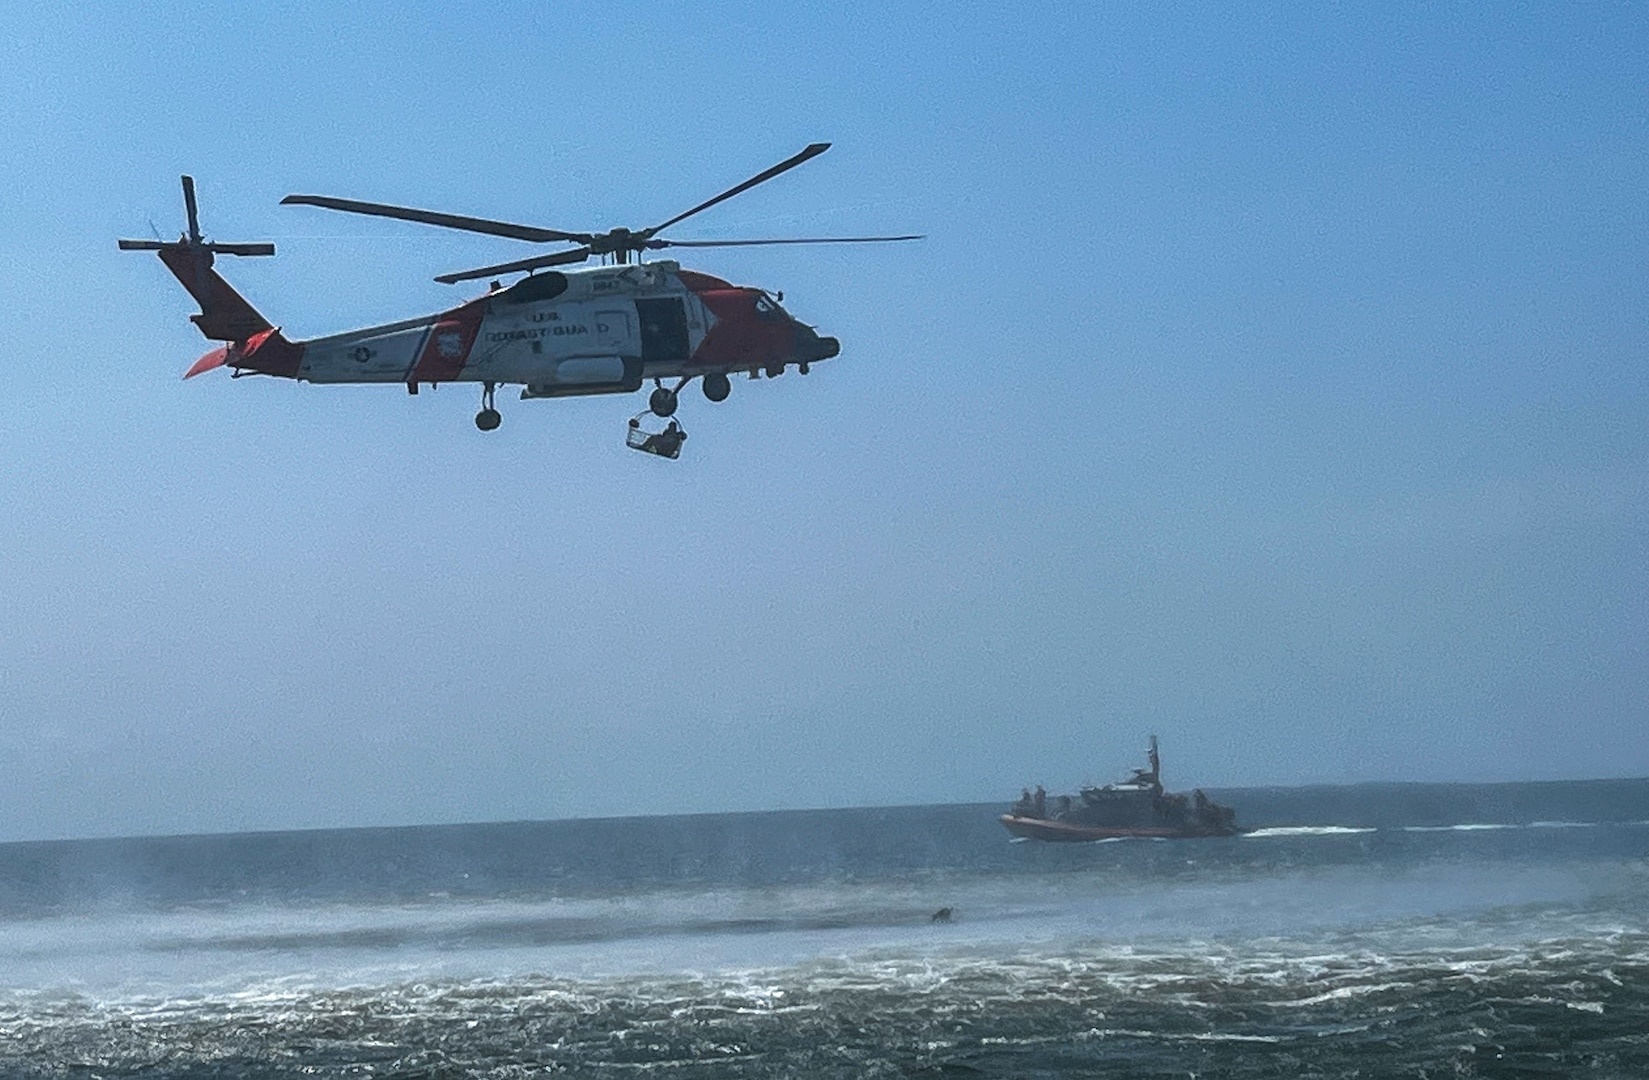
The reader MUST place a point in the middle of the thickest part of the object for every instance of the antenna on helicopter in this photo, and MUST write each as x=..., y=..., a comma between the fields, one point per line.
x=193, y=241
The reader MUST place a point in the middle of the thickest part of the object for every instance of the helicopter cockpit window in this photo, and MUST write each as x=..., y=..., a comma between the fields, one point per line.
x=534, y=287
x=766, y=308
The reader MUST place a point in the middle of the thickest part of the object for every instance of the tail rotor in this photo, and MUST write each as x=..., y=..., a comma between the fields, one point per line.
x=192, y=241
x=192, y=208
x=224, y=314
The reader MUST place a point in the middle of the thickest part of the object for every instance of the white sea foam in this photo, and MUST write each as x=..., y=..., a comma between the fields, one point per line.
x=1458, y=828
x=1182, y=1036
x=1308, y=830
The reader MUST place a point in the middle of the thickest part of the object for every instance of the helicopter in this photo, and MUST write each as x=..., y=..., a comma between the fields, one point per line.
x=603, y=329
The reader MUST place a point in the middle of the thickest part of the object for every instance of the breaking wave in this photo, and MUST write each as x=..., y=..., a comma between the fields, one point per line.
x=1545, y=1006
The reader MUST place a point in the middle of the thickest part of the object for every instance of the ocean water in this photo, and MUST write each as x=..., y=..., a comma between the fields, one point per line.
x=1371, y=931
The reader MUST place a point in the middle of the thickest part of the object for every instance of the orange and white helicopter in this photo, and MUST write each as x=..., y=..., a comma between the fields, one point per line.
x=597, y=330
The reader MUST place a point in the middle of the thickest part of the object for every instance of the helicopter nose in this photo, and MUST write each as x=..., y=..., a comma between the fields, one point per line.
x=810, y=346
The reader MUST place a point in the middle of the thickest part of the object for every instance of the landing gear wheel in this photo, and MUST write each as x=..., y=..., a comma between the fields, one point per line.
x=488, y=418
x=717, y=386
x=663, y=401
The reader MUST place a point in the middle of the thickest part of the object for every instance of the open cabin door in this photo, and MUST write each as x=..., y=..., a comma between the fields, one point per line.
x=663, y=330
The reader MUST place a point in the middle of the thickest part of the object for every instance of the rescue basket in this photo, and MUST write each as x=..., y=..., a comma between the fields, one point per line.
x=665, y=444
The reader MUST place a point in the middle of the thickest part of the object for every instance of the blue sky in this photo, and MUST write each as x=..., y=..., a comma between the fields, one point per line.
x=1271, y=379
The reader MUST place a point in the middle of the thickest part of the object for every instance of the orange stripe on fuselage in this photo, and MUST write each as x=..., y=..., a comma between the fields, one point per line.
x=449, y=344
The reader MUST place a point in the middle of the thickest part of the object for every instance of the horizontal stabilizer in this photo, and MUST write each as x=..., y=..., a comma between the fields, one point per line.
x=214, y=359
x=266, y=352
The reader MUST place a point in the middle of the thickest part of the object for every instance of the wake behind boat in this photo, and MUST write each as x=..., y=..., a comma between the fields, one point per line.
x=1136, y=807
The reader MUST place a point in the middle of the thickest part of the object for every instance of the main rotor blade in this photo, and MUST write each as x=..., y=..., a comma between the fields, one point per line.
x=799, y=240
x=559, y=258
x=445, y=221
x=809, y=154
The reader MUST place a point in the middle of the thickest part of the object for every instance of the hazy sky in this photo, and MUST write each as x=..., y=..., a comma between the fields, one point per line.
x=1273, y=379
